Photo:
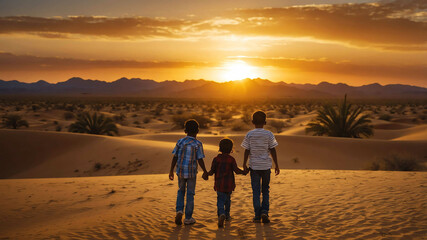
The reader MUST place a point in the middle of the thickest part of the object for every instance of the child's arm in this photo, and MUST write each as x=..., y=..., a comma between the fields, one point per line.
x=174, y=159
x=245, y=159
x=202, y=165
x=213, y=167
x=274, y=156
x=237, y=170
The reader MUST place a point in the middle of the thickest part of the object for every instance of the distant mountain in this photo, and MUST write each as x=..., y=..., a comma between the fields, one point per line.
x=248, y=88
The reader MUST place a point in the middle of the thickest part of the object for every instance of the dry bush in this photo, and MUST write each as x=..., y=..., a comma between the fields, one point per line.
x=396, y=162
x=385, y=117
x=239, y=126
x=277, y=125
x=179, y=120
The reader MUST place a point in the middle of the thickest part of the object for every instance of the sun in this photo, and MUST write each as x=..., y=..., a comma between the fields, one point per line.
x=238, y=70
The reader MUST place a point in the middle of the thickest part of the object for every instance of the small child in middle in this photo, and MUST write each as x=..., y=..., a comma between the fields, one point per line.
x=224, y=166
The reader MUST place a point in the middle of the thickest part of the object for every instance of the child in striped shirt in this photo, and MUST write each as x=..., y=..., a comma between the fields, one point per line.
x=259, y=144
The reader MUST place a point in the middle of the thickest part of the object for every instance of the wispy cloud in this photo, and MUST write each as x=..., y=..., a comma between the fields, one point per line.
x=343, y=68
x=399, y=25
x=12, y=62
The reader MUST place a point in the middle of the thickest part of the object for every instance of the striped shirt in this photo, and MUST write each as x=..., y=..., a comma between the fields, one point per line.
x=188, y=150
x=259, y=142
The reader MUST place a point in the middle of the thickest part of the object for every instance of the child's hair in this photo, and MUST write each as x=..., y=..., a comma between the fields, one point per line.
x=259, y=117
x=226, y=145
x=191, y=126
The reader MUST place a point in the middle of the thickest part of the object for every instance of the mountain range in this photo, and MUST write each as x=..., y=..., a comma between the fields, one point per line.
x=247, y=88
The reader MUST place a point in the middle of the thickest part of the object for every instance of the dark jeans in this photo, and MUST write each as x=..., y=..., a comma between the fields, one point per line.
x=260, y=180
x=188, y=184
x=223, y=203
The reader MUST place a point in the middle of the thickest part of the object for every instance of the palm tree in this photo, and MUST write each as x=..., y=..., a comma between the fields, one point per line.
x=344, y=121
x=93, y=124
x=14, y=121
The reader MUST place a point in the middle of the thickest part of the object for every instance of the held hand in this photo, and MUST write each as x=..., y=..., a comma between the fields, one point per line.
x=171, y=176
x=246, y=171
x=205, y=176
x=245, y=168
x=277, y=170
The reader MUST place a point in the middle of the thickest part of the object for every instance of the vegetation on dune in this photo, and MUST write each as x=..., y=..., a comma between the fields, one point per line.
x=397, y=163
x=179, y=120
x=14, y=121
x=93, y=124
x=342, y=121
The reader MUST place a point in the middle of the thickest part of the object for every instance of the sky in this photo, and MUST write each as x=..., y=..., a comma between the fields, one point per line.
x=295, y=41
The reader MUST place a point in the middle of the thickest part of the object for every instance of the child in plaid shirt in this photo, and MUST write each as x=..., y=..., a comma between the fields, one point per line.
x=187, y=153
x=224, y=166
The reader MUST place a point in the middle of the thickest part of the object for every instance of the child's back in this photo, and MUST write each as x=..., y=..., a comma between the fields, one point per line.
x=224, y=166
x=259, y=142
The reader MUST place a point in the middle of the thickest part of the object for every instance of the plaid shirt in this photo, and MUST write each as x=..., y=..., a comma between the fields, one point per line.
x=224, y=167
x=188, y=150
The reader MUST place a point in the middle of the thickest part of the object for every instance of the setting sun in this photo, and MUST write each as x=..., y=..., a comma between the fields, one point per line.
x=238, y=70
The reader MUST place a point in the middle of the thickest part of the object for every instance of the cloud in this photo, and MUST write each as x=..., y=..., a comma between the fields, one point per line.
x=12, y=62
x=344, y=68
x=398, y=25
x=26, y=63
x=385, y=25
x=141, y=27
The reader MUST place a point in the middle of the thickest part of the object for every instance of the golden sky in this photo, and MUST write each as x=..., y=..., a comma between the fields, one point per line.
x=354, y=42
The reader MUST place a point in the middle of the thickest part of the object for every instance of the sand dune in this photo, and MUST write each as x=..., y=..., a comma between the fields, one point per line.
x=52, y=154
x=305, y=204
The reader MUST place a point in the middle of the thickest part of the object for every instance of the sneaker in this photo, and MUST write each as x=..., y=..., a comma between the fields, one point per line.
x=189, y=221
x=227, y=218
x=221, y=220
x=256, y=219
x=178, y=218
x=264, y=218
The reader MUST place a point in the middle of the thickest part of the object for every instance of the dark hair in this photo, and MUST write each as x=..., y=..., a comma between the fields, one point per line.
x=259, y=117
x=226, y=145
x=191, y=126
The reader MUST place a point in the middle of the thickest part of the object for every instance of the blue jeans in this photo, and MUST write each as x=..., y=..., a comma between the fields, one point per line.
x=223, y=203
x=190, y=184
x=260, y=181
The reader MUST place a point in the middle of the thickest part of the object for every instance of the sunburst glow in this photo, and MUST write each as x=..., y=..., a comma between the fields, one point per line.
x=238, y=70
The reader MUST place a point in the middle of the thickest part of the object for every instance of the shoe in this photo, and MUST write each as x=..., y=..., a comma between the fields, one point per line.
x=178, y=218
x=221, y=220
x=264, y=218
x=227, y=218
x=256, y=219
x=189, y=221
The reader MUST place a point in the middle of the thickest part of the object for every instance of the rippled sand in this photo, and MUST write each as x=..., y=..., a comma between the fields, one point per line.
x=318, y=204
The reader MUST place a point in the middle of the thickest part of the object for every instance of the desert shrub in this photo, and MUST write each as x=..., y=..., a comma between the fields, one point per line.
x=68, y=115
x=396, y=163
x=146, y=120
x=224, y=116
x=35, y=107
x=14, y=121
x=58, y=128
x=97, y=166
x=119, y=117
x=283, y=110
x=179, y=120
x=341, y=121
x=238, y=126
x=277, y=125
x=246, y=117
x=385, y=117
x=93, y=124
x=55, y=122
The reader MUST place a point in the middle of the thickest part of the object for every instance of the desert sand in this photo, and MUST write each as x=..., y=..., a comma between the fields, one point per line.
x=59, y=154
x=305, y=204
x=61, y=185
